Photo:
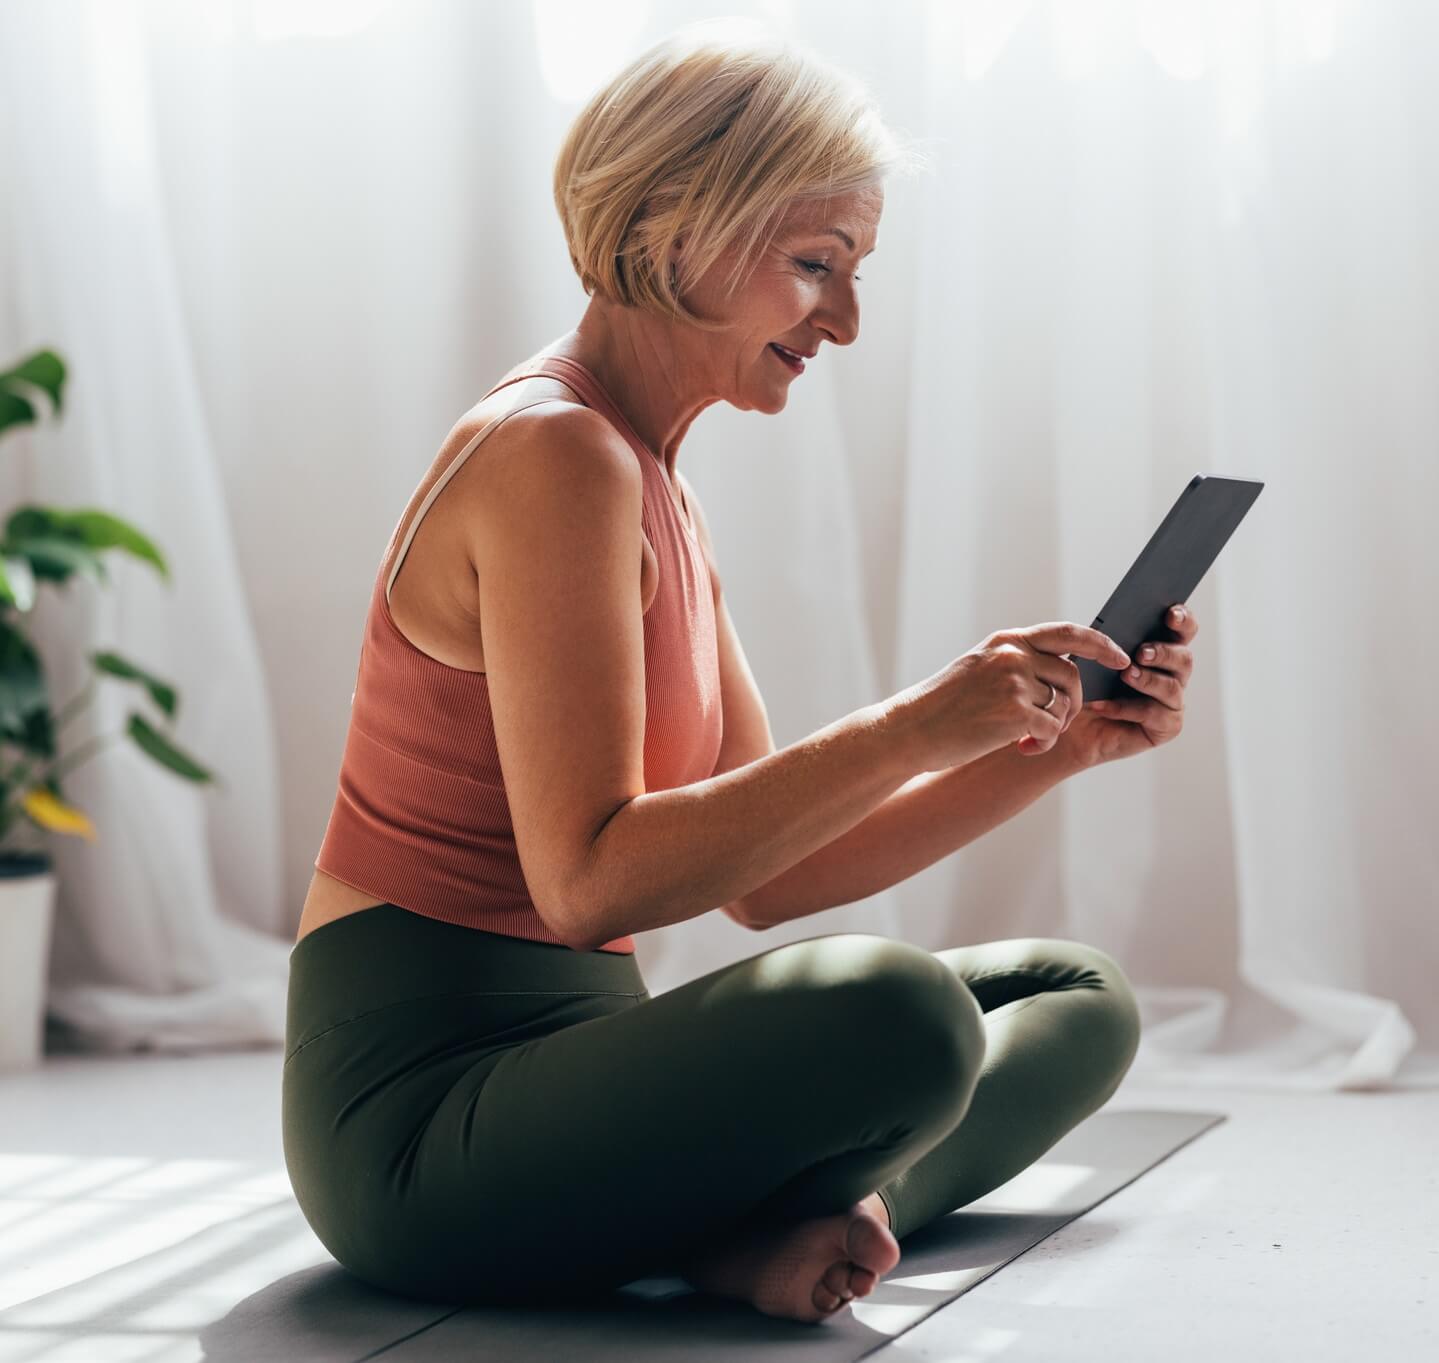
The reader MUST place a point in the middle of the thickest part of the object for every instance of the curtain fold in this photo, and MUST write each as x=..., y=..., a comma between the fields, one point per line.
x=285, y=247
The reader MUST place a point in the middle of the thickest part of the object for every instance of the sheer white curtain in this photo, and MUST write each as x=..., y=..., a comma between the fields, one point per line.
x=290, y=243
x=1170, y=238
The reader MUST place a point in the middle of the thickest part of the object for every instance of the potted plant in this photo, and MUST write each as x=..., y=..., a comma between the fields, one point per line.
x=41, y=544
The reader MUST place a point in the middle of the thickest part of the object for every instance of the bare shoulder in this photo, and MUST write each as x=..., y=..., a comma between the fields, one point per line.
x=556, y=459
x=555, y=440
x=561, y=440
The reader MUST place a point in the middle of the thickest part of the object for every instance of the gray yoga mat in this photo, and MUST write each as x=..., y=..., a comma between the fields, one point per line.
x=322, y=1314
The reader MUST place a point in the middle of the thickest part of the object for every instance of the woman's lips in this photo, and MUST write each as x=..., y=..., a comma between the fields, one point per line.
x=796, y=365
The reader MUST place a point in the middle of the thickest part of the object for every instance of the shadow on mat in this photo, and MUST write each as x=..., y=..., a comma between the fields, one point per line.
x=324, y=1314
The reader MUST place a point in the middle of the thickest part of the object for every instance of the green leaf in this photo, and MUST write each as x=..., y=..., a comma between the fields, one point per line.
x=55, y=558
x=44, y=369
x=35, y=735
x=163, y=751
x=101, y=530
x=162, y=693
x=22, y=678
x=15, y=410
x=29, y=520
x=39, y=531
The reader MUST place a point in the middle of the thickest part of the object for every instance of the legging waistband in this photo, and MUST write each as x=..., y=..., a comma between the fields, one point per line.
x=386, y=954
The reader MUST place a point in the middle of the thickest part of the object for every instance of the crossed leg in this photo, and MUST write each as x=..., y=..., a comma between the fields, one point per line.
x=1061, y=1029
x=788, y=1085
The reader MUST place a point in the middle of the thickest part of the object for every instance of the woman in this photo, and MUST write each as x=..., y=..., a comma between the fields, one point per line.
x=555, y=742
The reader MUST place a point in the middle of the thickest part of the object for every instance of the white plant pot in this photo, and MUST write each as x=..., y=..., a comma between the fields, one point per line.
x=27, y=906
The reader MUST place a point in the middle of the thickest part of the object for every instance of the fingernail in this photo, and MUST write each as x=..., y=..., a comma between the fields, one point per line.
x=1146, y=654
x=1178, y=612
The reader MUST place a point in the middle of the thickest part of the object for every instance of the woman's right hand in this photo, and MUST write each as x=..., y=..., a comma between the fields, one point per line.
x=992, y=696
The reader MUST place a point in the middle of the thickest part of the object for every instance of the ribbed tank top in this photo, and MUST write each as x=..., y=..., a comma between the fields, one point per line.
x=420, y=817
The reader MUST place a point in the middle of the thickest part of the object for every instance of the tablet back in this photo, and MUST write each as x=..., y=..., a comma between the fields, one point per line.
x=1168, y=568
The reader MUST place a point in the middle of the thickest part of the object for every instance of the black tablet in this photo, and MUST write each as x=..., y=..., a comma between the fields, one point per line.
x=1168, y=568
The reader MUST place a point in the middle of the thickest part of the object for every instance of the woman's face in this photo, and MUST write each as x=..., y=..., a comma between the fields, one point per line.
x=802, y=293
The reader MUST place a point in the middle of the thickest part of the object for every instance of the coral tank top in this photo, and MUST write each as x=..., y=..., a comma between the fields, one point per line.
x=420, y=817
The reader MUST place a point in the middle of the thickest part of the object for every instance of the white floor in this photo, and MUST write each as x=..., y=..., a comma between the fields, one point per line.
x=1301, y=1228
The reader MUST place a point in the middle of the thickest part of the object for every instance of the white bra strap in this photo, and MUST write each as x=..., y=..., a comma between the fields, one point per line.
x=470, y=446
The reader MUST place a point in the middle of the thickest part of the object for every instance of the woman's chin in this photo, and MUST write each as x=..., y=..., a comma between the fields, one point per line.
x=776, y=396
x=768, y=401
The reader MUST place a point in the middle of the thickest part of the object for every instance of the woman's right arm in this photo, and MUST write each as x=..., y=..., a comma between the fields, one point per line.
x=554, y=520
x=672, y=855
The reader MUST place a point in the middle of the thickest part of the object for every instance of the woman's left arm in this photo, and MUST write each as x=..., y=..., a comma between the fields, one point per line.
x=939, y=812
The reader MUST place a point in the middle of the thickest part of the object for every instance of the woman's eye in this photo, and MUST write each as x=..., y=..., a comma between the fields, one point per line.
x=814, y=266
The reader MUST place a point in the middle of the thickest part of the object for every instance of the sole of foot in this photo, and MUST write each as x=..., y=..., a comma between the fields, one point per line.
x=807, y=1270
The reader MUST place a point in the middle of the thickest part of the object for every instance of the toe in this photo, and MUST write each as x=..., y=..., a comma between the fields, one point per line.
x=836, y=1278
x=869, y=1245
x=824, y=1300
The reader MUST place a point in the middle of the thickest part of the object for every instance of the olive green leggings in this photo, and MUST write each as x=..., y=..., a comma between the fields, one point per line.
x=471, y=1118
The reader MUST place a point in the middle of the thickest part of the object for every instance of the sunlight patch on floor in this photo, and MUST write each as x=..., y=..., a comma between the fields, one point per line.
x=64, y=1218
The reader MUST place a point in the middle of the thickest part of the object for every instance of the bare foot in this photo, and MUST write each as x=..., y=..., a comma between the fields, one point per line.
x=806, y=1270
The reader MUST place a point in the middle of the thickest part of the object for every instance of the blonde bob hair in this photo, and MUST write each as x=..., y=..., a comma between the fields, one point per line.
x=709, y=136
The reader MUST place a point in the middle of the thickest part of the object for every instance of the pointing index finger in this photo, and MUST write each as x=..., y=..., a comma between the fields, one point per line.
x=1102, y=648
x=1085, y=642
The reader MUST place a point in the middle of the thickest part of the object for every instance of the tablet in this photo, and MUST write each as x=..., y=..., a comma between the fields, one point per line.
x=1168, y=568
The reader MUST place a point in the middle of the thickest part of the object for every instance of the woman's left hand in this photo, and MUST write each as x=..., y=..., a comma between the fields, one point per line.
x=1104, y=730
